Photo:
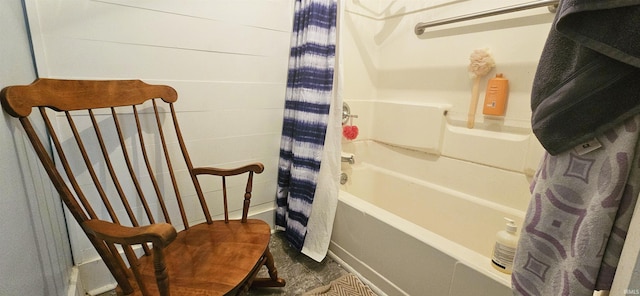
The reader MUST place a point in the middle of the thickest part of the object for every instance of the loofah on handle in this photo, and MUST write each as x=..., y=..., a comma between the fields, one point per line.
x=481, y=62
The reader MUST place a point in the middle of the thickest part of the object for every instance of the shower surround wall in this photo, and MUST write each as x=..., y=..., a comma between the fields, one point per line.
x=387, y=64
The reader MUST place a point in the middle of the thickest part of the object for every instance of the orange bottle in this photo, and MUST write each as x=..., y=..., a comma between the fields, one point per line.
x=495, y=100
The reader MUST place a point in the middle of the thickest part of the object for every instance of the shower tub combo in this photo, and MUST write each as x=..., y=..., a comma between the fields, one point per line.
x=407, y=235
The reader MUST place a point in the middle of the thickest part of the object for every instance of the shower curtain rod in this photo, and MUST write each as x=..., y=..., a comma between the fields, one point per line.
x=553, y=4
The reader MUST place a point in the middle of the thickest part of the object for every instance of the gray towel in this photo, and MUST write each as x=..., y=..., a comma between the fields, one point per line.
x=588, y=78
x=578, y=218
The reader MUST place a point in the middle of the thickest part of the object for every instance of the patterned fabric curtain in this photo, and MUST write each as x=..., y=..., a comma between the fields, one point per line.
x=307, y=102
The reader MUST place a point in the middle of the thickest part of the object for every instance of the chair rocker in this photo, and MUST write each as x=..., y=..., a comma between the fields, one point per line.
x=122, y=169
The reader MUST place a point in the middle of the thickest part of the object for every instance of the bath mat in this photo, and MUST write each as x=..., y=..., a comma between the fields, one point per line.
x=347, y=285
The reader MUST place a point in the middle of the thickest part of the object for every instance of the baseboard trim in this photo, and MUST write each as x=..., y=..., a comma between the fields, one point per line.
x=75, y=285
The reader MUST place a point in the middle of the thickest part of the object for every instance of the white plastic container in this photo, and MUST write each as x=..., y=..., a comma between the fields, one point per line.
x=505, y=247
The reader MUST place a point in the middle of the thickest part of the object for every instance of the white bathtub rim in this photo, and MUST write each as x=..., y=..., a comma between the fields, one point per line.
x=462, y=254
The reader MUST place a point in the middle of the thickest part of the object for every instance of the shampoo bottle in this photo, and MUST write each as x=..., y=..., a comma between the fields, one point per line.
x=495, y=100
x=505, y=247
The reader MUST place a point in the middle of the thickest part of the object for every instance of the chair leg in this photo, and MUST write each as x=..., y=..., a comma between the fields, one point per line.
x=273, y=280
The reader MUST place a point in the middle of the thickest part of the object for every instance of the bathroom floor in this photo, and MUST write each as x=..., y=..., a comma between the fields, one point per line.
x=301, y=273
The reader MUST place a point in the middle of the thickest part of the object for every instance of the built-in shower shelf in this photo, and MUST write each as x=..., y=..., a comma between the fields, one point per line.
x=516, y=150
x=505, y=133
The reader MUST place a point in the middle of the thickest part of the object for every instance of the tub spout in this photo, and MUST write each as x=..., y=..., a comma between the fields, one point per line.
x=347, y=158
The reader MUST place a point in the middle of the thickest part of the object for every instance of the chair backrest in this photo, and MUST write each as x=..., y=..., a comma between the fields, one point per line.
x=118, y=154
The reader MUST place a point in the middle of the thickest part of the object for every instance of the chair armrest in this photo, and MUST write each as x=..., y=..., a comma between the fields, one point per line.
x=254, y=167
x=159, y=234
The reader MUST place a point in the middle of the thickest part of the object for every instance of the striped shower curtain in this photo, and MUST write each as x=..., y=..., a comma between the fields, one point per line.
x=307, y=102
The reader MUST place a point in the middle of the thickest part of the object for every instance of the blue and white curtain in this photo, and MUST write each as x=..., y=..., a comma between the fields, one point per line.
x=307, y=103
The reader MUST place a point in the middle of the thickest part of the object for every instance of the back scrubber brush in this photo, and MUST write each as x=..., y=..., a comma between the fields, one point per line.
x=481, y=62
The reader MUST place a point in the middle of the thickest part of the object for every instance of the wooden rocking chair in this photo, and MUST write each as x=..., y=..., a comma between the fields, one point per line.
x=122, y=138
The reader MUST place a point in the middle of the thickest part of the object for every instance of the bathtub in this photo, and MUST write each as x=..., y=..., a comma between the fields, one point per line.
x=406, y=236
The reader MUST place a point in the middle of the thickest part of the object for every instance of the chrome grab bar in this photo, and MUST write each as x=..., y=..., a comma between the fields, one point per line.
x=552, y=4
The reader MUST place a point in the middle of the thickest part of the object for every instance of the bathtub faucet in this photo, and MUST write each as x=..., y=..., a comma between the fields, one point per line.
x=348, y=158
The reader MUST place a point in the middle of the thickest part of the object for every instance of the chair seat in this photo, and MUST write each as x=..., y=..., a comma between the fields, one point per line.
x=211, y=259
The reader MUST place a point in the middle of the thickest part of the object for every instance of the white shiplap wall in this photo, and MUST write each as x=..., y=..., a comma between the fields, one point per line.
x=226, y=58
x=35, y=257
